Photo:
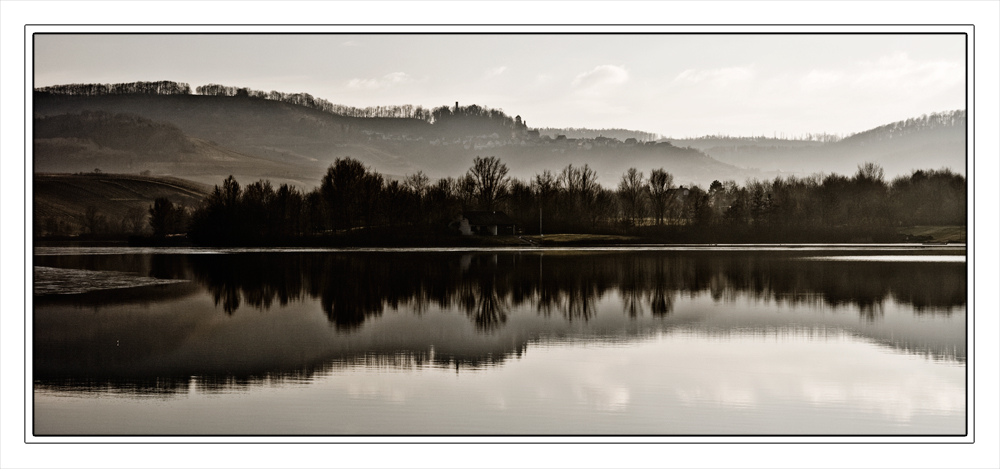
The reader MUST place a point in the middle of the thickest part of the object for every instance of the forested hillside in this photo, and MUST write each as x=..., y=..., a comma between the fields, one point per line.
x=309, y=134
x=937, y=140
x=294, y=137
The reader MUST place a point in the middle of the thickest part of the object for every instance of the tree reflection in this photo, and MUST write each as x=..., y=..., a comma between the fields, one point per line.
x=661, y=303
x=486, y=289
x=347, y=307
x=661, y=298
x=871, y=312
x=229, y=296
x=488, y=310
x=633, y=287
x=355, y=286
x=254, y=278
x=580, y=303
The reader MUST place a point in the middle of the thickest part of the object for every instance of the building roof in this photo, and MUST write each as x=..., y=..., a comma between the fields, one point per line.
x=487, y=218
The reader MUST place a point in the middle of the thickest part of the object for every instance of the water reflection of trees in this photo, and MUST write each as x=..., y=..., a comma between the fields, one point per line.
x=138, y=382
x=487, y=308
x=355, y=286
x=488, y=288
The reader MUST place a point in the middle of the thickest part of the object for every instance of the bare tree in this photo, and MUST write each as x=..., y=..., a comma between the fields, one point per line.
x=418, y=183
x=134, y=221
x=581, y=190
x=630, y=191
x=546, y=187
x=93, y=220
x=870, y=172
x=490, y=176
x=869, y=197
x=660, y=182
x=465, y=189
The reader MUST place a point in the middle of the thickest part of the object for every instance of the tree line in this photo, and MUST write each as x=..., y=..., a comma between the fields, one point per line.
x=356, y=204
x=354, y=201
x=406, y=111
x=934, y=120
x=442, y=114
x=103, y=89
x=619, y=134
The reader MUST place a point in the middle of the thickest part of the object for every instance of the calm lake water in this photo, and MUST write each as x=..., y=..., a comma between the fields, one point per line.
x=650, y=341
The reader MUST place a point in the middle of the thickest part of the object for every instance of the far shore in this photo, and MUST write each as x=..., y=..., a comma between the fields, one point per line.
x=954, y=236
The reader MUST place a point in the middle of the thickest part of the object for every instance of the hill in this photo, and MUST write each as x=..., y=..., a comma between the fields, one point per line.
x=305, y=141
x=208, y=137
x=61, y=201
x=129, y=143
x=274, y=131
x=928, y=142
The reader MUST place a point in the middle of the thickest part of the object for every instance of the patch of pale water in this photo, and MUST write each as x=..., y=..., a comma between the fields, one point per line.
x=506, y=343
x=903, y=258
x=56, y=281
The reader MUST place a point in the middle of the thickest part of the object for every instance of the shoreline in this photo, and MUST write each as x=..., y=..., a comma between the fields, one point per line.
x=840, y=249
x=955, y=238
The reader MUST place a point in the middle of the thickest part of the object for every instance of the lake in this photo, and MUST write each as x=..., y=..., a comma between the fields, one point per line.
x=674, y=341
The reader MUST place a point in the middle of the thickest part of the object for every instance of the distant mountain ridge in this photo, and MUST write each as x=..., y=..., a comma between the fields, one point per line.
x=275, y=137
x=934, y=121
x=933, y=141
x=307, y=141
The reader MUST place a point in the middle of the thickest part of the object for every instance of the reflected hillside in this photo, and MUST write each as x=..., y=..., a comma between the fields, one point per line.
x=250, y=318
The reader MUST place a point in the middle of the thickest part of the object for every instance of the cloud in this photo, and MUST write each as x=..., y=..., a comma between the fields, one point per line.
x=543, y=79
x=387, y=81
x=600, y=78
x=899, y=71
x=894, y=74
x=817, y=80
x=495, y=71
x=716, y=76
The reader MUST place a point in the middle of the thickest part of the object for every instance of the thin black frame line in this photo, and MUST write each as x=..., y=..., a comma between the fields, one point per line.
x=32, y=242
x=500, y=435
x=970, y=64
x=970, y=73
x=498, y=33
x=492, y=442
x=522, y=25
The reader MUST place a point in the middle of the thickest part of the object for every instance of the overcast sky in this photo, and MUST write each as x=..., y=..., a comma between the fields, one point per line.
x=674, y=85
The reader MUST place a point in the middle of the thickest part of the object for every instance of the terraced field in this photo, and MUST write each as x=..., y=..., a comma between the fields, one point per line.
x=65, y=198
